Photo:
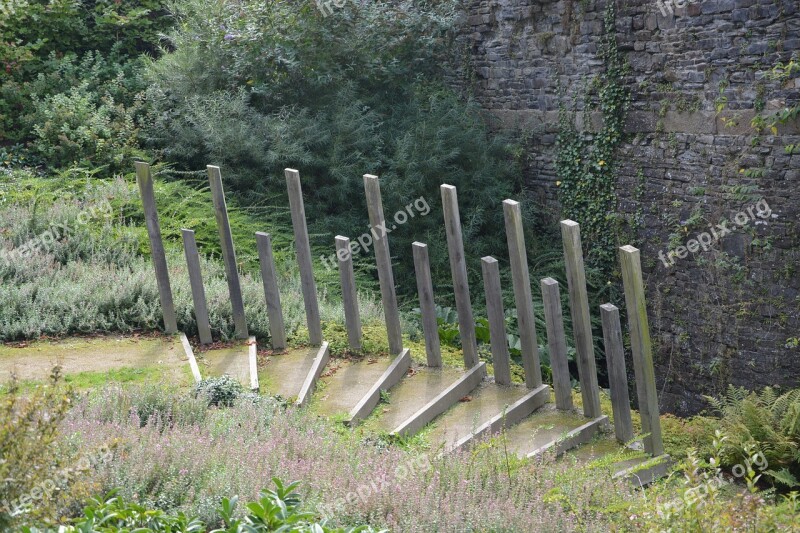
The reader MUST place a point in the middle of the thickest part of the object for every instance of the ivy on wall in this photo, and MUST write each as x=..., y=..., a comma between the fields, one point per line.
x=585, y=159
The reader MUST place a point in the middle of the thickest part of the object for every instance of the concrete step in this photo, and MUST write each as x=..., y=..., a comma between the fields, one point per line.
x=420, y=386
x=486, y=410
x=233, y=360
x=630, y=463
x=550, y=429
x=35, y=360
x=345, y=382
x=293, y=374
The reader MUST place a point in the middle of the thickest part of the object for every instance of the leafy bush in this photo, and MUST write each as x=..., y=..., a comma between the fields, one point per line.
x=221, y=392
x=276, y=510
x=766, y=421
x=258, y=86
x=28, y=434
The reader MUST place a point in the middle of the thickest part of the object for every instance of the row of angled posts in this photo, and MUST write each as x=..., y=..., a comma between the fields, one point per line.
x=576, y=282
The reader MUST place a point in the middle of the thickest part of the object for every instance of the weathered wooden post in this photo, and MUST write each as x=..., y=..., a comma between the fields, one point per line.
x=145, y=180
x=228, y=252
x=642, y=349
x=557, y=343
x=383, y=259
x=196, y=282
x=303, y=249
x=581, y=322
x=272, y=295
x=522, y=293
x=430, y=326
x=497, y=324
x=352, y=318
x=458, y=269
x=617, y=376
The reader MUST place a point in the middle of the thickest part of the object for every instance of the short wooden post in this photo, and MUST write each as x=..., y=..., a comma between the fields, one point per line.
x=303, y=249
x=497, y=324
x=145, y=181
x=430, y=326
x=383, y=259
x=458, y=269
x=272, y=295
x=523, y=299
x=581, y=323
x=617, y=376
x=228, y=252
x=557, y=344
x=352, y=318
x=196, y=282
x=642, y=349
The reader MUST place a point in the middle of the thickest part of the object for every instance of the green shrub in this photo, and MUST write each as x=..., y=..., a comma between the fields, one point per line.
x=276, y=510
x=767, y=422
x=259, y=86
x=220, y=392
x=28, y=436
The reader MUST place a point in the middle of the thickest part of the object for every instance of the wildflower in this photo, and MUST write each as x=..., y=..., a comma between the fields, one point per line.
x=601, y=163
x=558, y=184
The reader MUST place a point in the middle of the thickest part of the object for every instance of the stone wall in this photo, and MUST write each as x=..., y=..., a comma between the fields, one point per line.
x=725, y=315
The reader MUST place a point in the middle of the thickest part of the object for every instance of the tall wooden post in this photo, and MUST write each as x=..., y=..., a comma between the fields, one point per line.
x=352, y=318
x=228, y=252
x=145, y=180
x=523, y=299
x=196, y=282
x=430, y=326
x=383, y=259
x=303, y=248
x=497, y=324
x=272, y=295
x=617, y=376
x=581, y=322
x=458, y=269
x=642, y=349
x=557, y=343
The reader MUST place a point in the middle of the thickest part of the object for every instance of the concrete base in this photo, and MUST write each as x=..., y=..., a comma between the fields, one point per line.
x=388, y=379
x=345, y=382
x=284, y=374
x=541, y=429
x=252, y=355
x=187, y=349
x=644, y=471
x=573, y=438
x=317, y=366
x=442, y=402
x=421, y=385
x=232, y=360
x=513, y=414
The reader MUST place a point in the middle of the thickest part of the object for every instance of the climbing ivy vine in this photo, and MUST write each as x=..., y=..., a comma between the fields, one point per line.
x=586, y=160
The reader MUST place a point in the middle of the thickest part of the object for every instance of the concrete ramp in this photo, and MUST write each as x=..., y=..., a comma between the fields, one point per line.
x=488, y=409
x=345, y=383
x=550, y=429
x=293, y=375
x=232, y=360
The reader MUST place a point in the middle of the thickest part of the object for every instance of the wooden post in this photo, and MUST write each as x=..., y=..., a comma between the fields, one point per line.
x=383, y=259
x=522, y=293
x=617, y=376
x=228, y=252
x=557, y=343
x=458, y=269
x=303, y=247
x=272, y=295
x=347, y=278
x=581, y=323
x=497, y=323
x=430, y=326
x=642, y=349
x=196, y=281
x=145, y=181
